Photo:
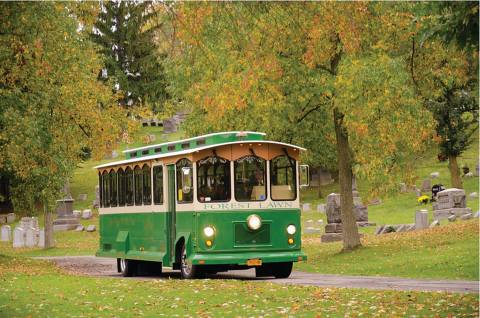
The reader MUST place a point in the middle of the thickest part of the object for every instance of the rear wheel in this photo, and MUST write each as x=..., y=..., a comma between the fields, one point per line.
x=128, y=267
x=282, y=270
x=189, y=271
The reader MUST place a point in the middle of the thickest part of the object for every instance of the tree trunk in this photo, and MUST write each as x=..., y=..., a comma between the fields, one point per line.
x=49, y=239
x=351, y=238
x=454, y=172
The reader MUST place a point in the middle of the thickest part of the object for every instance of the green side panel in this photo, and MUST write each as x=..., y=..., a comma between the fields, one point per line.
x=133, y=235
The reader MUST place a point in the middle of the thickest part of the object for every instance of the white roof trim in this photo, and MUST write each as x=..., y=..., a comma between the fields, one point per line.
x=193, y=138
x=187, y=151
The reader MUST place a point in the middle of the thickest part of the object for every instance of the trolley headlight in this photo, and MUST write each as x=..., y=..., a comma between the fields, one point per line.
x=254, y=222
x=209, y=231
x=291, y=229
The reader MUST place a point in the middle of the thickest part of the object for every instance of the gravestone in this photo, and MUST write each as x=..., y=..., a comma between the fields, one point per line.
x=467, y=216
x=77, y=213
x=18, y=237
x=435, y=175
x=333, y=228
x=30, y=237
x=322, y=208
x=450, y=202
x=435, y=223
x=79, y=228
x=468, y=175
x=65, y=219
x=82, y=197
x=169, y=126
x=6, y=233
x=452, y=218
x=3, y=219
x=421, y=219
x=426, y=185
x=11, y=218
x=41, y=238
x=91, y=228
x=473, y=195
x=87, y=214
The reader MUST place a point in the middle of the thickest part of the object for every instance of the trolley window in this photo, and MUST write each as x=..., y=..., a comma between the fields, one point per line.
x=184, y=181
x=147, y=185
x=282, y=178
x=158, y=185
x=129, y=186
x=113, y=188
x=138, y=178
x=250, y=179
x=213, y=179
x=106, y=189
x=122, y=187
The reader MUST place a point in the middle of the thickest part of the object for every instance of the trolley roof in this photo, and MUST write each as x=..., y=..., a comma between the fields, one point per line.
x=190, y=145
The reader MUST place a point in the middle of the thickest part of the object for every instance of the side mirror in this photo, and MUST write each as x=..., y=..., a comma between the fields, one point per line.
x=304, y=176
x=186, y=179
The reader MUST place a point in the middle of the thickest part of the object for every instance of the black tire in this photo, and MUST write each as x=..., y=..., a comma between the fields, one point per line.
x=128, y=267
x=264, y=270
x=189, y=271
x=282, y=270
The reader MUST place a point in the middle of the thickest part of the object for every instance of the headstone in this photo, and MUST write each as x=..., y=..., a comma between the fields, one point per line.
x=114, y=154
x=435, y=175
x=91, y=228
x=82, y=197
x=306, y=207
x=473, y=195
x=65, y=219
x=30, y=237
x=467, y=216
x=333, y=228
x=18, y=237
x=11, y=218
x=403, y=188
x=320, y=222
x=86, y=214
x=331, y=237
x=79, y=228
x=6, y=233
x=421, y=219
x=3, y=219
x=450, y=202
x=77, y=213
x=34, y=222
x=434, y=224
x=41, y=238
x=169, y=126
x=426, y=185
x=452, y=218
x=333, y=208
x=322, y=208
x=468, y=175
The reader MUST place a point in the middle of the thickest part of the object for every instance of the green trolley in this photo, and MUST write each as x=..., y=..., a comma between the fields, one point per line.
x=203, y=205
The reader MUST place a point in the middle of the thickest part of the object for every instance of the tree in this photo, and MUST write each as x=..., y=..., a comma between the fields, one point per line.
x=242, y=63
x=51, y=104
x=126, y=32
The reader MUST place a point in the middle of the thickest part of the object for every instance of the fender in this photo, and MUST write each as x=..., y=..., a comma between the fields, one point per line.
x=188, y=242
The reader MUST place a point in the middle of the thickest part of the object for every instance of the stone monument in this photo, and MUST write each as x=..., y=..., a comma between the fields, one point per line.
x=450, y=202
x=333, y=229
x=6, y=233
x=65, y=219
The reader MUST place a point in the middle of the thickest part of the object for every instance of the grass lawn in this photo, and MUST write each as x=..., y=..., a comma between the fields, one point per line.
x=445, y=252
x=34, y=288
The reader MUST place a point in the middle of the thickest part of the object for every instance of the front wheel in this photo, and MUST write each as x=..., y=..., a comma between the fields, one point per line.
x=282, y=270
x=189, y=271
x=127, y=267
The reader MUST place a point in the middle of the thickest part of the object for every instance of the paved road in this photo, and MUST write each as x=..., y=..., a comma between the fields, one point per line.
x=94, y=266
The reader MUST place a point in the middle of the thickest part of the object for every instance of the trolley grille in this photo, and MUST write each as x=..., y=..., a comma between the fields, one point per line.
x=243, y=236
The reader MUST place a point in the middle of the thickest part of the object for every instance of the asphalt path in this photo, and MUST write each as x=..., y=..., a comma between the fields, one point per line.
x=106, y=267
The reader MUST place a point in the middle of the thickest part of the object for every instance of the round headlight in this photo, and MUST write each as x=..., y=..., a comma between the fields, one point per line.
x=208, y=231
x=254, y=222
x=291, y=229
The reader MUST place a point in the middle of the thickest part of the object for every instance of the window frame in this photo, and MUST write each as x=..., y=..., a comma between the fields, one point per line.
x=136, y=176
x=112, y=176
x=265, y=177
x=294, y=170
x=122, y=193
x=176, y=181
x=146, y=181
x=129, y=170
x=226, y=171
x=161, y=166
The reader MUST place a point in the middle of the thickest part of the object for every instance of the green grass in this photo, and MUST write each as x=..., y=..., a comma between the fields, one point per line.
x=445, y=252
x=38, y=289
